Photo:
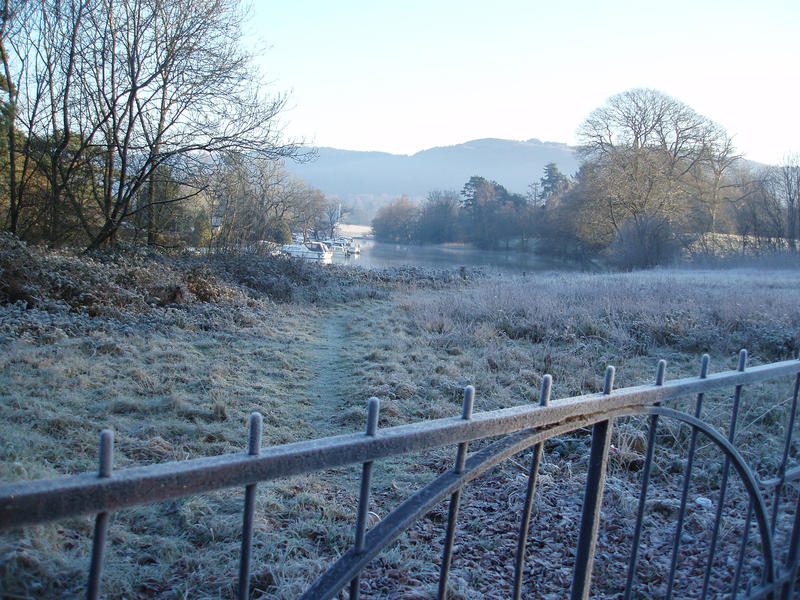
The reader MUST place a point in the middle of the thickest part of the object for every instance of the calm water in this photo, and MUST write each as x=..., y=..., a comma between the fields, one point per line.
x=378, y=255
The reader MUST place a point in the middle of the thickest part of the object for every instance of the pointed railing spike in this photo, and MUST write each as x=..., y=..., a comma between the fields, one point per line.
x=723, y=488
x=687, y=475
x=592, y=500
x=106, y=461
x=608, y=384
x=248, y=519
x=536, y=459
x=452, y=513
x=660, y=371
x=648, y=465
x=373, y=410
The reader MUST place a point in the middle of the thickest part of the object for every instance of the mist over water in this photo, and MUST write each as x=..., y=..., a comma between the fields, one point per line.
x=379, y=255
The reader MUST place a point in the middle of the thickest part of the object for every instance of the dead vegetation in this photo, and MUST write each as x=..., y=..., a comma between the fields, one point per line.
x=137, y=278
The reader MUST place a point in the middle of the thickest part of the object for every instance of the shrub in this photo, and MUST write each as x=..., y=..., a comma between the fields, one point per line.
x=645, y=243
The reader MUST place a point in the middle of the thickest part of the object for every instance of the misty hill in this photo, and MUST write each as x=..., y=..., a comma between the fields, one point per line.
x=369, y=179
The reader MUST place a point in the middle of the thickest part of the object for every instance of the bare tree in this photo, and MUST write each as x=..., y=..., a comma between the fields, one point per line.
x=121, y=89
x=711, y=191
x=308, y=210
x=789, y=190
x=39, y=46
x=11, y=22
x=646, y=146
x=439, y=217
x=331, y=216
x=176, y=86
x=759, y=211
x=254, y=201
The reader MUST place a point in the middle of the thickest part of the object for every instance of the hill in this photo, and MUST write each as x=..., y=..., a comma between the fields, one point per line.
x=366, y=180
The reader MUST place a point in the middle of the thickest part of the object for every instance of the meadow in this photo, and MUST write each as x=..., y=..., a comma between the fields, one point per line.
x=174, y=354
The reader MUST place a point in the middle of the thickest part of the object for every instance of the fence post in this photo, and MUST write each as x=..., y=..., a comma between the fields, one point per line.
x=455, y=499
x=792, y=556
x=786, y=448
x=536, y=459
x=373, y=408
x=794, y=544
x=592, y=501
x=254, y=449
x=687, y=478
x=101, y=521
x=648, y=464
x=723, y=488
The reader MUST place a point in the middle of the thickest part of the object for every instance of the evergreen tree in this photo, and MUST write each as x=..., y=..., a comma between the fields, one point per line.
x=553, y=183
x=201, y=231
x=482, y=203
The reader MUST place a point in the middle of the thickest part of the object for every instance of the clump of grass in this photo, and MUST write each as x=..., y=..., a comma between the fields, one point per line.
x=636, y=314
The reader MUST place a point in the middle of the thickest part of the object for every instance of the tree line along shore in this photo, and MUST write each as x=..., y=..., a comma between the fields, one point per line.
x=658, y=182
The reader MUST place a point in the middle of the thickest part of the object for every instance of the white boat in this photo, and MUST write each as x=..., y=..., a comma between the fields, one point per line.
x=316, y=251
x=343, y=246
x=338, y=247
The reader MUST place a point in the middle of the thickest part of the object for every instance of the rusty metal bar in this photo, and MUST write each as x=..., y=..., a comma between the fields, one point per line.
x=592, y=501
x=648, y=463
x=528, y=426
x=792, y=557
x=792, y=474
x=51, y=499
x=742, y=550
x=687, y=476
x=253, y=449
x=101, y=521
x=785, y=458
x=373, y=409
x=723, y=490
x=536, y=459
x=455, y=499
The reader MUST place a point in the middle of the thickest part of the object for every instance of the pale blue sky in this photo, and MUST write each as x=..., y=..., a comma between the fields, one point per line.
x=407, y=75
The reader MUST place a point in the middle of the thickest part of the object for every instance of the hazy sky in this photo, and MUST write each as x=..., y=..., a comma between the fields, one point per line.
x=404, y=75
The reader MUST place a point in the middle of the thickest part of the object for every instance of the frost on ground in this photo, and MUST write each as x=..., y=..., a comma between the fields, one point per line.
x=174, y=354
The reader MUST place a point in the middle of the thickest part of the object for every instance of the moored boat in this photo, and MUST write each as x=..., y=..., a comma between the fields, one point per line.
x=338, y=247
x=316, y=251
x=344, y=246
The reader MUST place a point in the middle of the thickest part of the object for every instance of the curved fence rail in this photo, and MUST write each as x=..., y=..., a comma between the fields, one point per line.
x=516, y=429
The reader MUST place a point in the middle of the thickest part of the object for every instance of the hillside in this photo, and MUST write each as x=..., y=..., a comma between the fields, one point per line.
x=369, y=179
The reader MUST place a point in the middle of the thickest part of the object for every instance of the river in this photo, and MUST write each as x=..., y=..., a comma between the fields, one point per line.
x=379, y=255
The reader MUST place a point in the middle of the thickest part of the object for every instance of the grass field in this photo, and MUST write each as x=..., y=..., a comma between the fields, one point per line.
x=175, y=354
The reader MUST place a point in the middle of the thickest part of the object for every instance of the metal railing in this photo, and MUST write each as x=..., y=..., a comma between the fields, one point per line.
x=517, y=429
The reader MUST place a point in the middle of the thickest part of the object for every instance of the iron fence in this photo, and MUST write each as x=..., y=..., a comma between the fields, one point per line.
x=516, y=430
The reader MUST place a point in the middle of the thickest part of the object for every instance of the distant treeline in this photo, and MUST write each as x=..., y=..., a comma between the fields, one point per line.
x=484, y=214
x=657, y=180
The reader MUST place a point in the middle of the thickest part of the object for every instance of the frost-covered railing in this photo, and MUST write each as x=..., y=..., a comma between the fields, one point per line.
x=517, y=428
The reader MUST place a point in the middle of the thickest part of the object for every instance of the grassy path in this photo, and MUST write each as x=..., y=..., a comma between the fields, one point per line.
x=331, y=370
x=335, y=389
